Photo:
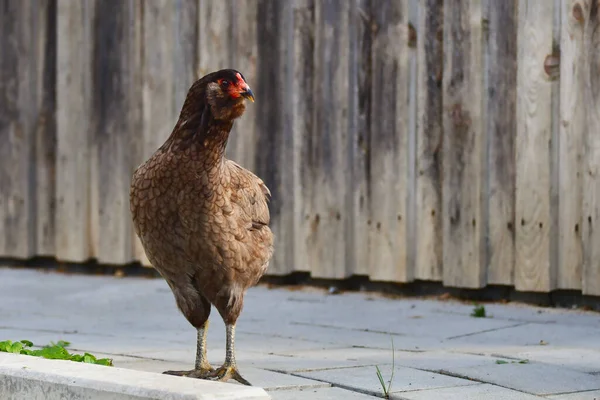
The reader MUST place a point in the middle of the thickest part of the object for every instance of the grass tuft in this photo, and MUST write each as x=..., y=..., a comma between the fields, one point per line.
x=478, y=312
x=388, y=388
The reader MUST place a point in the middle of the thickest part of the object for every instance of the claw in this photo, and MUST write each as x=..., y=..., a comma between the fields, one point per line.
x=203, y=373
x=224, y=373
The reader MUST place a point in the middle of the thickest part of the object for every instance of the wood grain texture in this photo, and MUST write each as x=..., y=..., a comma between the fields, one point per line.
x=428, y=226
x=244, y=47
x=360, y=75
x=275, y=144
x=116, y=102
x=18, y=110
x=533, y=270
x=572, y=129
x=500, y=120
x=591, y=177
x=389, y=167
x=214, y=33
x=45, y=128
x=73, y=113
x=327, y=250
x=303, y=14
x=185, y=49
x=464, y=142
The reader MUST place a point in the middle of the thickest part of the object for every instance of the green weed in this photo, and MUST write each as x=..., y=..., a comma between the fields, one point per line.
x=52, y=351
x=478, y=312
x=386, y=389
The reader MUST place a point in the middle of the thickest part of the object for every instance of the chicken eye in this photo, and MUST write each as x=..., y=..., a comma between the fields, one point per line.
x=225, y=83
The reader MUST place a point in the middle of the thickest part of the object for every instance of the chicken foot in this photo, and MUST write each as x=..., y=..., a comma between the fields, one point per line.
x=229, y=368
x=202, y=368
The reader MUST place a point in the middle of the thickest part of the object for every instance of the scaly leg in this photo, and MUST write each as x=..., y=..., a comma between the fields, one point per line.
x=229, y=368
x=202, y=368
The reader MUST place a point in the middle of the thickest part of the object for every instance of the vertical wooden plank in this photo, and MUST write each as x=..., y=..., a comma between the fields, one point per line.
x=185, y=50
x=45, y=129
x=73, y=113
x=357, y=239
x=412, y=102
x=27, y=130
x=274, y=136
x=500, y=111
x=18, y=108
x=389, y=143
x=214, y=30
x=428, y=233
x=464, y=144
x=302, y=125
x=326, y=245
x=116, y=105
x=590, y=12
x=533, y=270
x=159, y=99
x=242, y=141
x=572, y=129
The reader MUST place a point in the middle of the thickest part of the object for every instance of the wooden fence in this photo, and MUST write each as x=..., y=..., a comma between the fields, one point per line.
x=441, y=140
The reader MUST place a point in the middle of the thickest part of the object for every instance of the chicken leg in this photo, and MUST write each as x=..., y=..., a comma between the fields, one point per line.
x=202, y=368
x=229, y=368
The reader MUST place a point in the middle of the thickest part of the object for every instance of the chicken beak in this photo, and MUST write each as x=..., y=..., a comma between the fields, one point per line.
x=247, y=94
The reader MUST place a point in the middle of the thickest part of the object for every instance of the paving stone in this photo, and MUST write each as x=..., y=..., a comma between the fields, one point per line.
x=252, y=346
x=531, y=334
x=592, y=395
x=516, y=312
x=534, y=378
x=263, y=359
x=546, y=315
x=473, y=392
x=581, y=359
x=437, y=361
x=364, y=379
x=345, y=337
x=426, y=326
x=319, y=394
x=352, y=357
x=268, y=380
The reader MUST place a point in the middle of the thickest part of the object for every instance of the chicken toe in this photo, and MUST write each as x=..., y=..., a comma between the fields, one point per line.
x=202, y=373
x=227, y=372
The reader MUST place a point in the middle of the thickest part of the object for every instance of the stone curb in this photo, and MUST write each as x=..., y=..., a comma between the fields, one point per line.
x=34, y=378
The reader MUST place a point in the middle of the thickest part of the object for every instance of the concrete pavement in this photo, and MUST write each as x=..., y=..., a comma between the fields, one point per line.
x=308, y=344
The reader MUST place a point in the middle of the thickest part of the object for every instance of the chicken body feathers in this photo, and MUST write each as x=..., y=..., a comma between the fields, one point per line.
x=202, y=219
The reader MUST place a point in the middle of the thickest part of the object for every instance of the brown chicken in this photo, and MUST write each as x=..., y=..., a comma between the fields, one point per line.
x=202, y=219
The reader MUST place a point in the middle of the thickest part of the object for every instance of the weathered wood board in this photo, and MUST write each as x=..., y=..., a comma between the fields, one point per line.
x=500, y=121
x=302, y=62
x=590, y=12
x=329, y=145
x=533, y=269
x=74, y=125
x=464, y=144
x=117, y=110
x=572, y=129
x=389, y=162
x=428, y=210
